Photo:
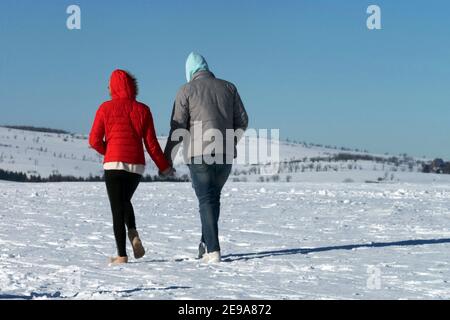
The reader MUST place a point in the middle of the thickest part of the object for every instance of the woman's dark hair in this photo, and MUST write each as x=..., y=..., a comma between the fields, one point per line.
x=135, y=82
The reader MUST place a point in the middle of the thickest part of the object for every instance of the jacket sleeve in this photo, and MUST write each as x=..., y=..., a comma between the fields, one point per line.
x=151, y=142
x=178, y=120
x=97, y=134
x=240, y=117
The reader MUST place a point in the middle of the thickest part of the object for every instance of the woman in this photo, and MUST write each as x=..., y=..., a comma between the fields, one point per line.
x=120, y=126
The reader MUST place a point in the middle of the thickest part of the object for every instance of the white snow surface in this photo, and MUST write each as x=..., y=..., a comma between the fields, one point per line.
x=279, y=241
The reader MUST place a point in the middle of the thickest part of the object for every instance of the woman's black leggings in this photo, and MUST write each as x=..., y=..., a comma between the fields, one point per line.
x=121, y=186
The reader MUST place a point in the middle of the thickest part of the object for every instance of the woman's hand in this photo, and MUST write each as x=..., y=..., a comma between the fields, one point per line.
x=169, y=172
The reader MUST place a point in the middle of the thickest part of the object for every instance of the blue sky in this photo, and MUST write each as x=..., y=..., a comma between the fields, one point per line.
x=310, y=68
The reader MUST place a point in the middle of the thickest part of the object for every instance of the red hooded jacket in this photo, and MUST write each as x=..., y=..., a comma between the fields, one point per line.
x=121, y=125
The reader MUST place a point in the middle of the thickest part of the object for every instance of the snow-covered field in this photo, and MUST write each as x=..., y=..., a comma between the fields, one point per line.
x=279, y=241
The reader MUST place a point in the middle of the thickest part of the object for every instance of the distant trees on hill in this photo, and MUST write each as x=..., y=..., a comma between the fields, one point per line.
x=319, y=145
x=12, y=176
x=362, y=157
x=333, y=163
x=38, y=129
x=437, y=166
x=22, y=177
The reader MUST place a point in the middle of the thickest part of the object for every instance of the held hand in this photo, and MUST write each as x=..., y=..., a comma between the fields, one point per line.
x=169, y=172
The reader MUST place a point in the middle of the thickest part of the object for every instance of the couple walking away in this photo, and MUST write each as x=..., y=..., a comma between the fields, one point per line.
x=123, y=125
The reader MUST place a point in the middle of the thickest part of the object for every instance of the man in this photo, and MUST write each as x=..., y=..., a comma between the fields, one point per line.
x=207, y=104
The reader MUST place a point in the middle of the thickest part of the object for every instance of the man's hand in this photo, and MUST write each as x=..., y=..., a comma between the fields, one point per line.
x=169, y=172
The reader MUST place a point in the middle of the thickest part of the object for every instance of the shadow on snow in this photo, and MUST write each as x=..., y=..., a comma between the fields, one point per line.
x=239, y=257
x=265, y=254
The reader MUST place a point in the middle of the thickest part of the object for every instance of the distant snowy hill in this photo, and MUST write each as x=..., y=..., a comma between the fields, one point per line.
x=44, y=154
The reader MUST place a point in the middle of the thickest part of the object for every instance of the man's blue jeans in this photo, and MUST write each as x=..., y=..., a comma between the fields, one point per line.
x=208, y=181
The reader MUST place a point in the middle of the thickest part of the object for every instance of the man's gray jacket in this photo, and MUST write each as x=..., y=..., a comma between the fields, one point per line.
x=207, y=108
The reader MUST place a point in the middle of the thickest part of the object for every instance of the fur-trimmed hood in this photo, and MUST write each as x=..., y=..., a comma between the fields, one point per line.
x=123, y=85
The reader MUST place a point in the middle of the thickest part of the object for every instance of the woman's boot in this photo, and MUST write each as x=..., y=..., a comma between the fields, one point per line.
x=136, y=243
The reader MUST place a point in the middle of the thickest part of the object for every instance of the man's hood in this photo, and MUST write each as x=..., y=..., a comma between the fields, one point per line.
x=122, y=85
x=195, y=63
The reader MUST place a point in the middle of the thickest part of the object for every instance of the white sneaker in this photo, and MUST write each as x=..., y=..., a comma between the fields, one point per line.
x=212, y=257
